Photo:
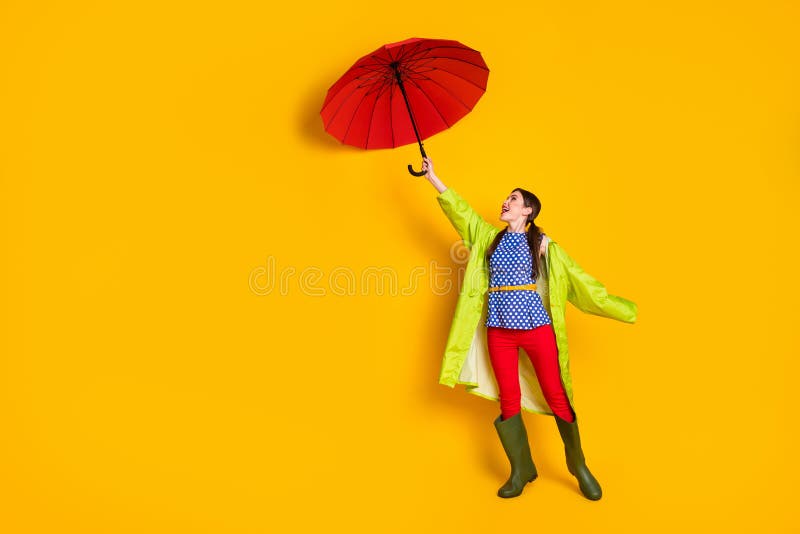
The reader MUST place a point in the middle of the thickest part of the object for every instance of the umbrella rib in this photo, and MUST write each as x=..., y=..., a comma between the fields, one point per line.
x=391, y=94
x=380, y=60
x=345, y=99
x=366, y=67
x=431, y=101
x=413, y=50
x=455, y=97
x=359, y=86
x=353, y=116
x=376, y=84
x=372, y=115
x=416, y=60
x=459, y=76
x=465, y=48
x=391, y=115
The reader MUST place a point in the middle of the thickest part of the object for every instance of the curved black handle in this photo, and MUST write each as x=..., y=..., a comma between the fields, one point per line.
x=416, y=173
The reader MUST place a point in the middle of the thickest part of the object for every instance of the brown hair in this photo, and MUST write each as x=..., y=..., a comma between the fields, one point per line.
x=534, y=233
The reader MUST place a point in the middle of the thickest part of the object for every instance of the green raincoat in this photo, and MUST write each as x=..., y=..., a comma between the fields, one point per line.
x=466, y=358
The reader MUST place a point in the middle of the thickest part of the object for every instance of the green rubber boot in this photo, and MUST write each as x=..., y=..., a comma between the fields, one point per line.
x=576, y=463
x=515, y=442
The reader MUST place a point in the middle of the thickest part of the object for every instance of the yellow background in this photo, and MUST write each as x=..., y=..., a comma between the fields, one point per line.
x=155, y=156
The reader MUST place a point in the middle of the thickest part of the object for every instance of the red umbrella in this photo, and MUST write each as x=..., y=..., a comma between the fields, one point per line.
x=440, y=80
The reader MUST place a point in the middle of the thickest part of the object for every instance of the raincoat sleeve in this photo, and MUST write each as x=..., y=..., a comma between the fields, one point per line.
x=590, y=296
x=471, y=227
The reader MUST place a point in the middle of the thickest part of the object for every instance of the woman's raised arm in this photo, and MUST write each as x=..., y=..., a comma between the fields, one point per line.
x=471, y=227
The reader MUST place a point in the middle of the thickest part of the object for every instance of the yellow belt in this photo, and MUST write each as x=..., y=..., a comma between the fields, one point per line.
x=512, y=288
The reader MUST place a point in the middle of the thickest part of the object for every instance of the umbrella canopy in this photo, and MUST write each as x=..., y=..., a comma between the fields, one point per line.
x=404, y=92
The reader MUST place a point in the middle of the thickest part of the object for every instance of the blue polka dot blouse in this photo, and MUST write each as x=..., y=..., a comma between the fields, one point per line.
x=510, y=265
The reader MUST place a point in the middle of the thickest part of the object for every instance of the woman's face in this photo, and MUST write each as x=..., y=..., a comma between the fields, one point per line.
x=514, y=208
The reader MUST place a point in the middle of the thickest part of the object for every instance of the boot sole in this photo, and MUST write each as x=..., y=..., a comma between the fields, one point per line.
x=534, y=477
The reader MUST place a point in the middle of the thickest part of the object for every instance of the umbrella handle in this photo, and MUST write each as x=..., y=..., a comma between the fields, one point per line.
x=416, y=173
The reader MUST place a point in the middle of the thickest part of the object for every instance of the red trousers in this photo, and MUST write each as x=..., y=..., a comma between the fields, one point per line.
x=540, y=345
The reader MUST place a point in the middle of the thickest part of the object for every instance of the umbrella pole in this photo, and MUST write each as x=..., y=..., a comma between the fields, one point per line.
x=411, y=116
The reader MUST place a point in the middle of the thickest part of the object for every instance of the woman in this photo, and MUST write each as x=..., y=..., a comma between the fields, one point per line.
x=525, y=309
